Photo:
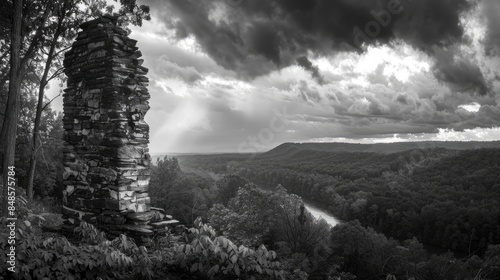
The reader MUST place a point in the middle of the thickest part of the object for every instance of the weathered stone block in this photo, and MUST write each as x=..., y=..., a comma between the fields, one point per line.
x=106, y=157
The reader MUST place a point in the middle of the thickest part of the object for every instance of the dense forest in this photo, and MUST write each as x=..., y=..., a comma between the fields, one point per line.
x=235, y=229
x=446, y=198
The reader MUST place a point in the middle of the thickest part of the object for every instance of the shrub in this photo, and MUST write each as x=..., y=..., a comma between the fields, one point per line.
x=58, y=258
x=209, y=256
x=200, y=253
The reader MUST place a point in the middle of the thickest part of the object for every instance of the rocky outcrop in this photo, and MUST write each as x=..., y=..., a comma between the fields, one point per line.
x=106, y=160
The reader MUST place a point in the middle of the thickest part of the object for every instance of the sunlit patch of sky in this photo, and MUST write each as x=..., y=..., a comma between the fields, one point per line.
x=472, y=107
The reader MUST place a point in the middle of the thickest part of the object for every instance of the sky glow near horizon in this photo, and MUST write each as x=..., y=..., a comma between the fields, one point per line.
x=219, y=73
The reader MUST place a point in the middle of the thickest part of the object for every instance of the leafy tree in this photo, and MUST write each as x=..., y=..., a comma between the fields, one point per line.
x=58, y=258
x=165, y=172
x=9, y=128
x=360, y=249
x=296, y=226
x=184, y=195
x=199, y=253
x=49, y=155
x=491, y=267
x=255, y=216
x=215, y=257
x=227, y=188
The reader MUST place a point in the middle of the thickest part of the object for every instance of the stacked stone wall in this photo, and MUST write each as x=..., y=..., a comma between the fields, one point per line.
x=106, y=160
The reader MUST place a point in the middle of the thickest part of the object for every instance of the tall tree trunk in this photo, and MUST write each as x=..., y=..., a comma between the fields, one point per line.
x=38, y=118
x=9, y=129
x=20, y=66
x=39, y=107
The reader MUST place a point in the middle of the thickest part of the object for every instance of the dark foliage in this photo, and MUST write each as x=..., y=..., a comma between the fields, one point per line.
x=445, y=198
x=439, y=197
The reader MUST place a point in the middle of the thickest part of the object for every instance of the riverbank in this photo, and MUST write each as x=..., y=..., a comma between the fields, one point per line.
x=318, y=213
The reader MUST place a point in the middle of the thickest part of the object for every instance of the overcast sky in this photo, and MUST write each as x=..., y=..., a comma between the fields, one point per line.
x=248, y=75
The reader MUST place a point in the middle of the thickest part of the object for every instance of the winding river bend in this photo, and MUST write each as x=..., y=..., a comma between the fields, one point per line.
x=312, y=207
x=319, y=213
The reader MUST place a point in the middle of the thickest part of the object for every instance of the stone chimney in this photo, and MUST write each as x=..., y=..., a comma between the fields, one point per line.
x=106, y=160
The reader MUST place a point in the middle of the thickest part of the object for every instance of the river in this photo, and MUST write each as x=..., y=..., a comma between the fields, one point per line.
x=313, y=208
x=318, y=213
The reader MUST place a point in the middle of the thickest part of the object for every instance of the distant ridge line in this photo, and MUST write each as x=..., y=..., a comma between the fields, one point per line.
x=380, y=147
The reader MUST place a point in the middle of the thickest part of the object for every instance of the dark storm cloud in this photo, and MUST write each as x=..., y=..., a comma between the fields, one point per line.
x=429, y=23
x=461, y=73
x=219, y=42
x=305, y=63
x=282, y=30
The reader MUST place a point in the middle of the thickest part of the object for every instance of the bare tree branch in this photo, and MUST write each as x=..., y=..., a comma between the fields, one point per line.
x=50, y=101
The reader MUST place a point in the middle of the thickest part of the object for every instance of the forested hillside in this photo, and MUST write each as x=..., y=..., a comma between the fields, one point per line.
x=377, y=203
x=443, y=197
x=288, y=148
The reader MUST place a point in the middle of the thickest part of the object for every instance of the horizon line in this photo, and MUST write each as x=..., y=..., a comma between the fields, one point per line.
x=317, y=142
